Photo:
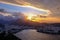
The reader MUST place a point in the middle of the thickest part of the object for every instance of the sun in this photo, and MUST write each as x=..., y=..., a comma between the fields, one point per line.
x=33, y=17
x=30, y=16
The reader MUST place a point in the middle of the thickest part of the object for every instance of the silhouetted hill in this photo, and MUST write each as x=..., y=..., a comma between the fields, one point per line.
x=10, y=36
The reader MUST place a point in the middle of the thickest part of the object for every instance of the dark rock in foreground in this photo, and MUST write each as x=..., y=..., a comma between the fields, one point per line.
x=8, y=37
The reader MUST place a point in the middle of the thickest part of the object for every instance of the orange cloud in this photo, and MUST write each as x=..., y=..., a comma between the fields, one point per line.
x=49, y=20
x=43, y=19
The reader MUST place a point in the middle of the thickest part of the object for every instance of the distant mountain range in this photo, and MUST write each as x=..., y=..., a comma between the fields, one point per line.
x=7, y=17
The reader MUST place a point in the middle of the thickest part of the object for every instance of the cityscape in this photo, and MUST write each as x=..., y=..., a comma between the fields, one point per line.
x=29, y=22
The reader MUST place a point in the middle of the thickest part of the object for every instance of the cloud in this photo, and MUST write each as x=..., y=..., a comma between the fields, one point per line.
x=5, y=14
x=52, y=5
x=27, y=9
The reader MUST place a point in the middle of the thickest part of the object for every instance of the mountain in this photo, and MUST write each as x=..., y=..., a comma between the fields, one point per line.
x=6, y=18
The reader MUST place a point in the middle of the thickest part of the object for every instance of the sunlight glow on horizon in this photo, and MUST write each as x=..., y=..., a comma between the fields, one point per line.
x=34, y=17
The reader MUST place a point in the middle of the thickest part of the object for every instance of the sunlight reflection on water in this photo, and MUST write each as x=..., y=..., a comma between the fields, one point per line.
x=32, y=34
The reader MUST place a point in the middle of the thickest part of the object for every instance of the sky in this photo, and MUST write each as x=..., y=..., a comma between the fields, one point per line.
x=23, y=9
x=53, y=6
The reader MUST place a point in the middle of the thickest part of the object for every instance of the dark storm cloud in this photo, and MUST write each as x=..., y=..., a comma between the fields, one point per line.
x=52, y=5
